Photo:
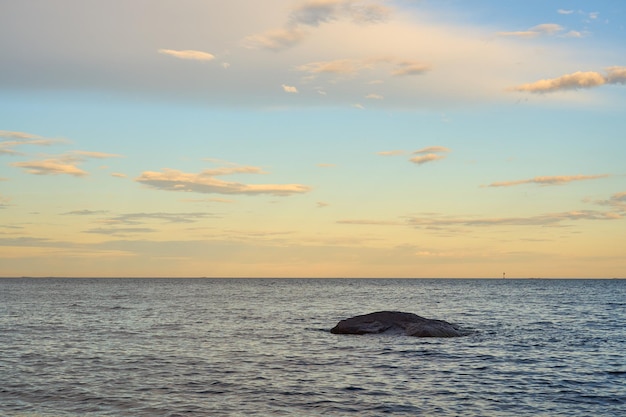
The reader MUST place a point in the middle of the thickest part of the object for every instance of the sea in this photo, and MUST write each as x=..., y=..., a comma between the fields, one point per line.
x=262, y=347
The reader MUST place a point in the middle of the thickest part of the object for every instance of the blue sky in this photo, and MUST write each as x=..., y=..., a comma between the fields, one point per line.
x=363, y=138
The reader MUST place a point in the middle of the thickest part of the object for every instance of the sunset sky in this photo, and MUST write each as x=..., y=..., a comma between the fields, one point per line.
x=319, y=138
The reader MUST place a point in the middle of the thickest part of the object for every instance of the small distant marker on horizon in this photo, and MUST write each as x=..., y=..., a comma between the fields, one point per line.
x=504, y=275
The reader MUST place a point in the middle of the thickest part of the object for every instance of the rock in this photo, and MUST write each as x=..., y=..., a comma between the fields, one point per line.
x=397, y=322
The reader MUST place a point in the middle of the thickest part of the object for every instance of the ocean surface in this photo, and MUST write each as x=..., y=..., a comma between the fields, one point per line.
x=261, y=347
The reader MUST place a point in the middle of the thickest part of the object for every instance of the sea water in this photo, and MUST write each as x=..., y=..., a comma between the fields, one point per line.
x=261, y=347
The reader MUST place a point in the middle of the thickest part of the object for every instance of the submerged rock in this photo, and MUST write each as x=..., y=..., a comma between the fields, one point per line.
x=397, y=322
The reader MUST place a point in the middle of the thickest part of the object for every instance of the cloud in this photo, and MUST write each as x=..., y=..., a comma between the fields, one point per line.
x=535, y=31
x=312, y=14
x=429, y=154
x=289, y=89
x=118, y=175
x=96, y=155
x=563, y=11
x=13, y=139
x=141, y=218
x=339, y=66
x=589, y=79
x=392, y=153
x=120, y=231
x=322, y=204
x=373, y=96
x=431, y=149
x=539, y=220
x=617, y=200
x=52, y=166
x=574, y=34
x=85, y=212
x=437, y=222
x=353, y=67
x=233, y=170
x=316, y=12
x=205, y=182
x=63, y=164
x=275, y=39
x=616, y=75
x=4, y=202
x=549, y=180
x=188, y=54
x=411, y=68
x=465, y=68
x=18, y=135
x=566, y=82
x=422, y=159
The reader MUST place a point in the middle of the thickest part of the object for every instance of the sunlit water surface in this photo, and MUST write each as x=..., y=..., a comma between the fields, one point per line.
x=210, y=347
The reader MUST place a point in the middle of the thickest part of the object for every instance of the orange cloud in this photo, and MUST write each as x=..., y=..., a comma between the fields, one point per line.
x=429, y=157
x=62, y=164
x=411, y=68
x=543, y=29
x=430, y=149
x=275, y=39
x=576, y=80
x=289, y=89
x=548, y=180
x=205, y=182
x=188, y=54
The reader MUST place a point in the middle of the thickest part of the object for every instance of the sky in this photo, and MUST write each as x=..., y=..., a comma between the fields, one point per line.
x=313, y=138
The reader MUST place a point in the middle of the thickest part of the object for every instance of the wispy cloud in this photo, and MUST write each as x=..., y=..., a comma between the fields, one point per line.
x=207, y=200
x=53, y=166
x=437, y=222
x=62, y=164
x=4, y=202
x=312, y=14
x=430, y=157
x=289, y=89
x=564, y=11
x=85, y=212
x=535, y=31
x=431, y=149
x=338, y=66
x=424, y=155
x=392, y=153
x=12, y=139
x=353, y=67
x=96, y=155
x=316, y=12
x=206, y=182
x=576, y=80
x=411, y=68
x=188, y=54
x=142, y=218
x=429, y=154
x=275, y=39
x=121, y=231
x=617, y=200
x=549, y=180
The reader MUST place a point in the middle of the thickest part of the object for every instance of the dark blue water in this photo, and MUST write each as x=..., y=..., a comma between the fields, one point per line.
x=210, y=347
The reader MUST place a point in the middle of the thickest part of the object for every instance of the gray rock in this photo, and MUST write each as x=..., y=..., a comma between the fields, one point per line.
x=397, y=322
